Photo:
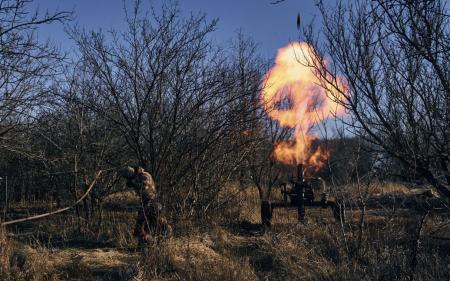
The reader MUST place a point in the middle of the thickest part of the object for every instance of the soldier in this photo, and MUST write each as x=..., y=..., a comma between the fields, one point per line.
x=149, y=216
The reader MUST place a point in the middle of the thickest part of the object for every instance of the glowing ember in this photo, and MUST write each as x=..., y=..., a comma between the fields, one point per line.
x=292, y=96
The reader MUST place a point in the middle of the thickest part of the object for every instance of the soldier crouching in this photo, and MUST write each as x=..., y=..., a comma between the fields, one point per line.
x=150, y=219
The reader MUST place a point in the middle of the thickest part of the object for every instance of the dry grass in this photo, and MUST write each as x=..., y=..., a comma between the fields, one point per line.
x=5, y=253
x=124, y=198
x=197, y=257
x=19, y=262
x=239, y=203
x=391, y=187
x=232, y=246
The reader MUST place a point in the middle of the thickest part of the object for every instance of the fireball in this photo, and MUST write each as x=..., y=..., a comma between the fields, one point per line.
x=294, y=96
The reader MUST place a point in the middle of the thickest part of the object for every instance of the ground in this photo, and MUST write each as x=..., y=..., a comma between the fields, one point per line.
x=232, y=248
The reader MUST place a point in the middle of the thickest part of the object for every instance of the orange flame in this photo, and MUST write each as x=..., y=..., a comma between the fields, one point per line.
x=292, y=84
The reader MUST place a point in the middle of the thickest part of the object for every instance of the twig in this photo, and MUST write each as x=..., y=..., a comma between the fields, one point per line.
x=60, y=210
x=416, y=246
x=440, y=238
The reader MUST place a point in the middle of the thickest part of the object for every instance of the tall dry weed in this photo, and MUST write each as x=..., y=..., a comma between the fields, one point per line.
x=5, y=253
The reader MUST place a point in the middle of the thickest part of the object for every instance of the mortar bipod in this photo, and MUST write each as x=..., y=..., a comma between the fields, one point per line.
x=299, y=194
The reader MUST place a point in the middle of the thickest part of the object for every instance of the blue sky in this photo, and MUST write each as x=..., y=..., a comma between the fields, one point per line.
x=271, y=26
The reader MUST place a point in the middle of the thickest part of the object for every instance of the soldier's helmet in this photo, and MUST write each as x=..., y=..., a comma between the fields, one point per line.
x=126, y=172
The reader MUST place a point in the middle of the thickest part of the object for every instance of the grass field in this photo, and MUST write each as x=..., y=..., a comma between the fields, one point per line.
x=231, y=245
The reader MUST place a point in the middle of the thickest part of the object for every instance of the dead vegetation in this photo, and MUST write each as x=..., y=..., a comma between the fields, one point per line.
x=164, y=95
x=234, y=247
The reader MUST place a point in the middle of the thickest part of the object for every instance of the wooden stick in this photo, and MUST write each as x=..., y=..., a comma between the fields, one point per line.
x=60, y=210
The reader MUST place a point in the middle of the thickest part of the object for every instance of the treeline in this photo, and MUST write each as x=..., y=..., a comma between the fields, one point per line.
x=161, y=95
x=165, y=96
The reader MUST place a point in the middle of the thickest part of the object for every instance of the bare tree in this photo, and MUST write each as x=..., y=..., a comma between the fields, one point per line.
x=25, y=65
x=265, y=171
x=394, y=56
x=173, y=96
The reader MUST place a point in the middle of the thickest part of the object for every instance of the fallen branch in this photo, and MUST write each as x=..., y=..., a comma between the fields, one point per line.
x=60, y=210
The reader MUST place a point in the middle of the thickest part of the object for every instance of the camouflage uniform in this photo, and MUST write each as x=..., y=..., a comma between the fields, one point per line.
x=143, y=184
x=149, y=216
